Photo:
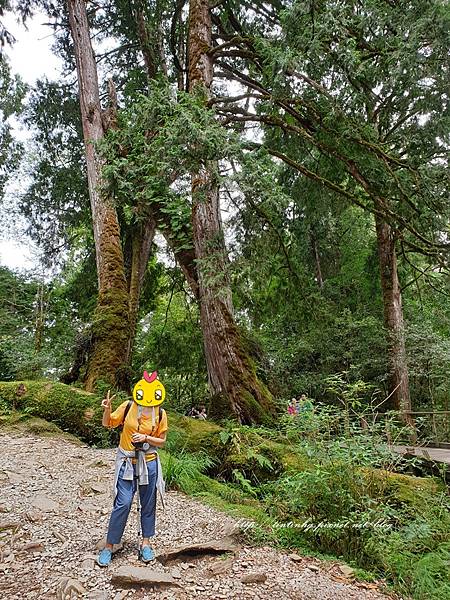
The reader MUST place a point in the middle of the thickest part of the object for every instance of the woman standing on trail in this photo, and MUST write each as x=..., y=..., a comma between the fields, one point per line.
x=137, y=461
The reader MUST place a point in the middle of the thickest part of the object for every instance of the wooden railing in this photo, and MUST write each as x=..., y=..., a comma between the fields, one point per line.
x=434, y=431
x=439, y=425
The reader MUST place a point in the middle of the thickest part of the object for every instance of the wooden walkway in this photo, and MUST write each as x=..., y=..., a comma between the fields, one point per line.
x=435, y=454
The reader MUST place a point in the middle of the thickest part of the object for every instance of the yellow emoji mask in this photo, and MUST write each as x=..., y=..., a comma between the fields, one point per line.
x=149, y=391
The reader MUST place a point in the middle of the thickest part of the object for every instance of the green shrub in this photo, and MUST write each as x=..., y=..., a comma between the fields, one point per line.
x=349, y=501
x=183, y=472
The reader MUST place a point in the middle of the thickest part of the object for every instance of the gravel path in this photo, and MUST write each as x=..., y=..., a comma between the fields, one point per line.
x=54, y=508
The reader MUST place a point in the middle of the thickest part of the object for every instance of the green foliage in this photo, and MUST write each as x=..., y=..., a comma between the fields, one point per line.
x=290, y=225
x=55, y=201
x=350, y=502
x=17, y=319
x=426, y=577
x=162, y=137
x=429, y=354
x=243, y=482
x=349, y=394
x=12, y=92
x=39, y=325
x=183, y=471
x=170, y=338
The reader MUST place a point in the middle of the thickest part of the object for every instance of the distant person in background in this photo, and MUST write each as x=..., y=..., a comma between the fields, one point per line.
x=202, y=414
x=301, y=406
x=305, y=405
x=305, y=413
x=193, y=412
x=292, y=407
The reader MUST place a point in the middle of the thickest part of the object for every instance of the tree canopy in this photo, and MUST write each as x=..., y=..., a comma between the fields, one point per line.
x=323, y=128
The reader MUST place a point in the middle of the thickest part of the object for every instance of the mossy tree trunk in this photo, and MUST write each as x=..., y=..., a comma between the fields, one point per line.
x=235, y=388
x=110, y=331
x=393, y=319
x=119, y=280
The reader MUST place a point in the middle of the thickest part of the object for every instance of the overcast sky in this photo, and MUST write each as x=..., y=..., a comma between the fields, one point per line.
x=31, y=58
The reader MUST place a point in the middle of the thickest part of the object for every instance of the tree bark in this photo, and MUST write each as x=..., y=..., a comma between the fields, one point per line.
x=145, y=42
x=141, y=244
x=40, y=318
x=235, y=387
x=315, y=250
x=185, y=257
x=393, y=319
x=111, y=320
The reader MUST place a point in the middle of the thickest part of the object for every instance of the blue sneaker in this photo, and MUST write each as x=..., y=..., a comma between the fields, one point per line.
x=104, y=558
x=146, y=554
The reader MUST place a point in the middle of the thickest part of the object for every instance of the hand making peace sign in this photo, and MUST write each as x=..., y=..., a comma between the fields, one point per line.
x=106, y=402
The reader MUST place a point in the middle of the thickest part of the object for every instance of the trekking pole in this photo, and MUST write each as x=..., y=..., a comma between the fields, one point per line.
x=138, y=499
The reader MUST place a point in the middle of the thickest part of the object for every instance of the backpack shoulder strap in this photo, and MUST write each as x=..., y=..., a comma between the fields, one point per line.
x=127, y=410
x=160, y=415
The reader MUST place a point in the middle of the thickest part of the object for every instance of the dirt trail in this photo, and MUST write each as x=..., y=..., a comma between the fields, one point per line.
x=54, y=508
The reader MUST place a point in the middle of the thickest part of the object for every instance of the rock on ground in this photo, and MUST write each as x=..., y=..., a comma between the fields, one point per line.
x=55, y=503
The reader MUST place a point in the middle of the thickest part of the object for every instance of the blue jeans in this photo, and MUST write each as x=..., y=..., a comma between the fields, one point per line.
x=124, y=498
